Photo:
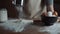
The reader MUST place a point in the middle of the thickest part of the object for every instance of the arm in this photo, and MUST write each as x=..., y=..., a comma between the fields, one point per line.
x=50, y=5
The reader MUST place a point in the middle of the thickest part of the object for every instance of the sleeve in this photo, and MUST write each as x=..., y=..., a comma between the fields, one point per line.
x=49, y=2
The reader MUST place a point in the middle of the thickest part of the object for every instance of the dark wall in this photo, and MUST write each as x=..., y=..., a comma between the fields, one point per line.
x=57, y=1
x=57, y=6
x=12, y=12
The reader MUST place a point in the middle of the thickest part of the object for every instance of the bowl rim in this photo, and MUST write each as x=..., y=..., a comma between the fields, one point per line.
x=49, y=16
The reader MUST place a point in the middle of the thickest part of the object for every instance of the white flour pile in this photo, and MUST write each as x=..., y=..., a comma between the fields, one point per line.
x=16, y=27
x=54, y=29
x=19, y=26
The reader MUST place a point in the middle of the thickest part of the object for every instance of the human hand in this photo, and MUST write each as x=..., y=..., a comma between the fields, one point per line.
x=55, y=13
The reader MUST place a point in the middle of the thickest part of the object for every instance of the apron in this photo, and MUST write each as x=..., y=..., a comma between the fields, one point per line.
x=36, y=7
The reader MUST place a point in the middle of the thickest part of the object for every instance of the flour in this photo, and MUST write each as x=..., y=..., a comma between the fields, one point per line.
x=54, y=29
x=20, y=26
x=16, y=27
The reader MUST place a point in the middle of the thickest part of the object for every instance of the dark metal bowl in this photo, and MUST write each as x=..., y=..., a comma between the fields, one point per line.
x=48, y=20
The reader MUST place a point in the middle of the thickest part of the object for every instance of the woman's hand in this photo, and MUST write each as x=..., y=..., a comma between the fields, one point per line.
x=44, y=14
x=54, y=13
